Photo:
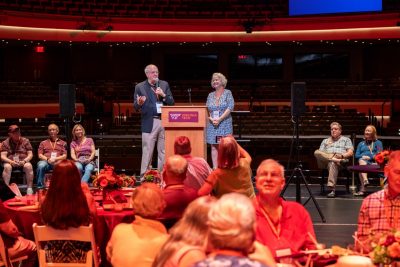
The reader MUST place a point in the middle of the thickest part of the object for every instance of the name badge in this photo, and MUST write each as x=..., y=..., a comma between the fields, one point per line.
x=215, y=114
x=283, y=252
x=53, y=155
x=16, y=157
x=159, y=106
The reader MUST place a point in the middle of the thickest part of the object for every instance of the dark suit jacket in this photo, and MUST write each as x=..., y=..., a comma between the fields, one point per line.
x=149, y=109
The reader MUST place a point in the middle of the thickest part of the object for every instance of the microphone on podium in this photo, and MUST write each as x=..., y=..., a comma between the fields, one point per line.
x=190, y=95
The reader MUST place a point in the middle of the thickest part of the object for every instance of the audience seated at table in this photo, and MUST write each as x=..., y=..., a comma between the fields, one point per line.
x=231, y=234
x=198, y=168
x=333, y=153
x=138, y=243
x=17, y=246
x=365, y=154
x=66, y=205
x=50, y=151
x=380, y=211
x=82, y=152
x=176, y=194
x=281, y=225
x=16, y=153
x=187, y=241
x=233, y=173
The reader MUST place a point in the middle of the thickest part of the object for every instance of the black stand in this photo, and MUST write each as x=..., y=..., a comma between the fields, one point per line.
x=298, y=173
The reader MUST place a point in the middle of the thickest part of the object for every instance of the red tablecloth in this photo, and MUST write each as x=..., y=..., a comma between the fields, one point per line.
x=104, y=224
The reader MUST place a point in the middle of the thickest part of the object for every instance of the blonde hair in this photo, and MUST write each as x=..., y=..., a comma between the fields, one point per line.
x=231, y=223
x=73, y=131
x=219, y=75
x=337, y=124
x=191, y=230
x=374, y=134
x=148, y=201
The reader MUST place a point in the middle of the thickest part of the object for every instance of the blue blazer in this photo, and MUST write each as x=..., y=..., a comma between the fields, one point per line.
x=148, y=109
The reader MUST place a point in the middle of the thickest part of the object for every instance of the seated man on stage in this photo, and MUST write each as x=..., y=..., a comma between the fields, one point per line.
x=285, y=227
x=198, y=169
x=50, y=151
x=16, y=152
x=380, y=211
x=334, y=152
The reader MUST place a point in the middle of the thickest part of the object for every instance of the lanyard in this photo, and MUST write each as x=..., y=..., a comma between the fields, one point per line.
x=371, y=147
x=53, y=147
x=276, y=230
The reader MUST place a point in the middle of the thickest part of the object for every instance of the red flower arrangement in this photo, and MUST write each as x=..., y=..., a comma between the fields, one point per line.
x=386, y=248
x=152, y=176
x=107, y=178
x=382, y=157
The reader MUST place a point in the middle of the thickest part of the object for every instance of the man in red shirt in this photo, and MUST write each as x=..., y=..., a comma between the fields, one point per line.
x=380, y=211
x=283, y=226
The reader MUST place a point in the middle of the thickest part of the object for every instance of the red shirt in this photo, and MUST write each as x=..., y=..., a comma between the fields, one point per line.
x=295, y=225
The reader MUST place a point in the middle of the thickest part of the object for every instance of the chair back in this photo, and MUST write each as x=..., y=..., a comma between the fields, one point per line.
x=45, y=233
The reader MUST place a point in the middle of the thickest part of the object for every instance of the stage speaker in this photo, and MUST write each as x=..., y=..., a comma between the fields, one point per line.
x=66, y=94
x=298, y=103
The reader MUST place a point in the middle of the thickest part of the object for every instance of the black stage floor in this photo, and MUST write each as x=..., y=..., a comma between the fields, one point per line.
x=341, y=213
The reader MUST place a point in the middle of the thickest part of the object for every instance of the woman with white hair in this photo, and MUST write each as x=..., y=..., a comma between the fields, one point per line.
x=220, y=103
x=231, y=234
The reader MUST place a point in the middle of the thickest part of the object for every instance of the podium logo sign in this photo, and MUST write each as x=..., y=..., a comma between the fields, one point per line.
x=183, y=116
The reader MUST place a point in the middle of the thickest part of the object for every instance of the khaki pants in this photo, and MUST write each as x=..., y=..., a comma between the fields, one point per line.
x=323, y=161
x=148, y=142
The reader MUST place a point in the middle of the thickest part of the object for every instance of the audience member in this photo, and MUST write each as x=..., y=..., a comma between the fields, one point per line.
x=82, y=152
x=379, y=212
x=65, y=206
x=16, y=152
x=16, y=245
x=334, y=152
x=188, y=238
x=231, y=234
x=149, y=97
x=50, y=151
x=365, y=154
x=176, y=194
x=138, y=243
x=283, y=226
x=198, y=169
x=220, y=103
x=233, y=173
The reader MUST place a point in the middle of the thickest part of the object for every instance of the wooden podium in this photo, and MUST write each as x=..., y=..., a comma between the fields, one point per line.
x=190, y=121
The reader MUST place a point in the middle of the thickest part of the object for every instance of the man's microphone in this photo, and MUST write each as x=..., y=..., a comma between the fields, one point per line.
x=157, y=82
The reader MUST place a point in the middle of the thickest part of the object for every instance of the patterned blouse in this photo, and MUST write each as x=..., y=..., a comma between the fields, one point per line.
x=66, y=251
x=228, y=261
x=214, y=104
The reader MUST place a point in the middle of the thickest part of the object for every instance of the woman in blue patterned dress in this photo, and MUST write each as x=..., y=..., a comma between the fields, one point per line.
x=220, y=103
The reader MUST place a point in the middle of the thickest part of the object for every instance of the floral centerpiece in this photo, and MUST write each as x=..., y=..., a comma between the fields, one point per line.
x=382, y=157
x=152, y=176
x=386, y=248
x=108, y=179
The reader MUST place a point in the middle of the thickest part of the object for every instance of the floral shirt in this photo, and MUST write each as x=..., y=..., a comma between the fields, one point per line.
x=339, y=146
x=379, y=213
x=228, y=261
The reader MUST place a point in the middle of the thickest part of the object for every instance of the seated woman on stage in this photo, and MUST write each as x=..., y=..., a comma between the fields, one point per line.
x=231, y=235
x=137, y=243
x=283, y=226
x=66, y=205
x=233, y=173
x=365, y=154
x=187, y=241
x=82, y=152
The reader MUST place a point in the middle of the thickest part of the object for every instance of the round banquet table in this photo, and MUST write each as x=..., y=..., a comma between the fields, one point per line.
x=25, y=216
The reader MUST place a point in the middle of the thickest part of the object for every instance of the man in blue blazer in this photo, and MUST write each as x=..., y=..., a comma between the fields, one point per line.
x=149, y=97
